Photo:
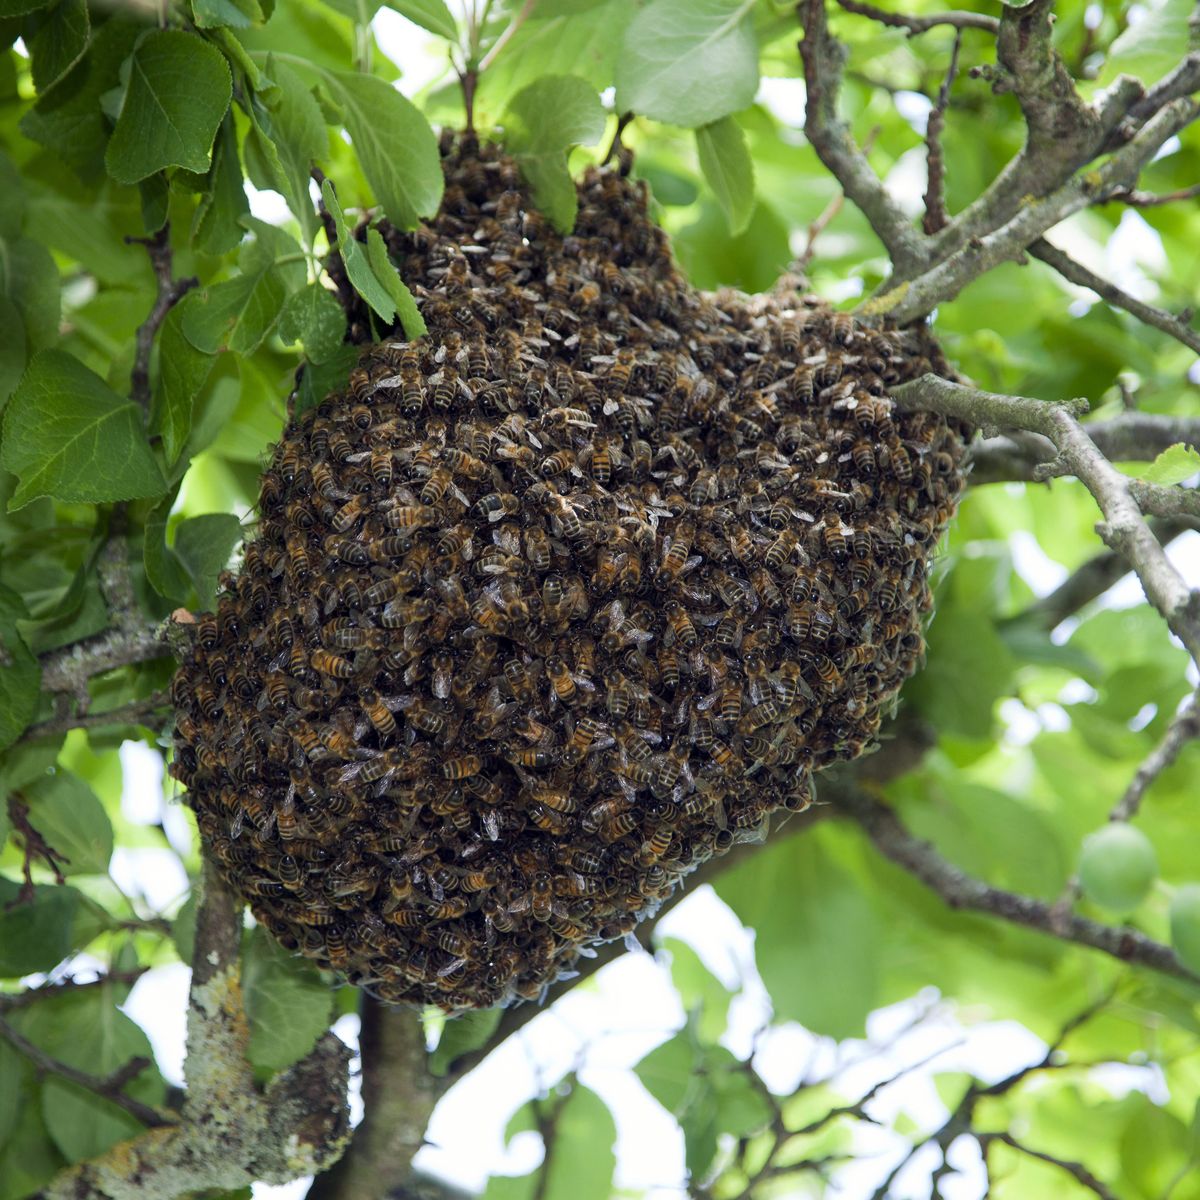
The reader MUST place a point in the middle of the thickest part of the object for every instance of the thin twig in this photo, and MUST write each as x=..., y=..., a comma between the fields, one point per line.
x=962, y=891
x=1183, y=728
x=11, y=1001
x=1153, y=199
x=1086, y=583
x=915, y=25
x=109, y=1087
x=1123, y=528
x=170, y=292
x=1076, y=1170
x=34, y=847
x=507, y=35
x=818, y=225
x=935, y=189
x=1078, y=274
x=133, y=713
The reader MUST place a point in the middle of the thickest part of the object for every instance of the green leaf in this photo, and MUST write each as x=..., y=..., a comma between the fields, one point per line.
x=217, y=226
x=544, y=120
x=702, y=994
x=319, y=379
x=17, y=8
x=688, y=62
x=387, y=274
x=69, y=119
x=579, y=1165
x=461, y=1035
x=20, y=675
x=71, y=819
x=969, y=668
x=395, y=145
x=29, y=278
x=163, y=569
x=314, y=317
x=68, y=435
x=155, y=197
x=31, y=1159
x=1174, y=465
x=179, y=90
x=725, y=161
x=429, y=14
x=86, y=1030
x=12, y=1080
x=290, y=135
x=234, y=14
x=203, y=545
x=238, y=313
x=358, y=268
x=35, y=935
x=58, y=42
x=1153, y=46
x=817, y=937
x=182, y=372
x=12, y=348
x=287, y=1002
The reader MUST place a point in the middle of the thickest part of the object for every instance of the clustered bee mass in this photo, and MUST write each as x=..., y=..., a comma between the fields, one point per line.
x=555, y=603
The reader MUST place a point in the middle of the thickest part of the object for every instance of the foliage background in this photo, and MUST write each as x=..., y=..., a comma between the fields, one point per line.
x=1039, y=729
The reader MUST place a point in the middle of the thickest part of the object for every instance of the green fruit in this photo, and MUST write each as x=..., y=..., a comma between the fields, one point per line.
x=1185, y=925
x=1118, y=867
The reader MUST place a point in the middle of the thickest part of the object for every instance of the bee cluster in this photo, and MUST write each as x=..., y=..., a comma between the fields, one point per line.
x=554, y=604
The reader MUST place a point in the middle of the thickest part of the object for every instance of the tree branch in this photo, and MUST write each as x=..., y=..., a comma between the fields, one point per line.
x=935, y=188
x=824, y=57
x=108, y=1087
x=1123, y=528
x=231, y=1134
x=1078, y=274
x=170, y=292
x=911, y=299
x=1184, y=727
x=916, y=25
x=1084, y=585
x=69, y=670
x=1076, y=1170
x=399, y=1095
x=136, y=712
x=961, y=891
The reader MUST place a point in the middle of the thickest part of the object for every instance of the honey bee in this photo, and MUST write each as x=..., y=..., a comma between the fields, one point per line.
x=586, y=730
x=561, y=679
x=462, y=766
x=680, y=623
x=781, y=550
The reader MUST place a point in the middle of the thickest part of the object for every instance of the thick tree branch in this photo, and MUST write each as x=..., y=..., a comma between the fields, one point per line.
x=1182, y=81
x=1078, y=274
x=1015, y=457
x=911, y=299
x=962, y=891
x=231, y=1134
x=1123, y=528
x=824, y=57
x=69, y=670
x=399, y=1095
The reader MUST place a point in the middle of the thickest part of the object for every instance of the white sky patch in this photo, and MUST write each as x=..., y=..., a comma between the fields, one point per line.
x=1020, y=725
x=906, y=182
x=296, y=1190
x=1034, y=565
x=267, y=206
x=141, y=783
x=915, y=108
x=421, y=57
x=150, y=874
x=783, y=98
x=158, y=1003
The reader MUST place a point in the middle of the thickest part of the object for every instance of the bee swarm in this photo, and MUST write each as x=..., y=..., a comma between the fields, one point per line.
x=557, y=602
